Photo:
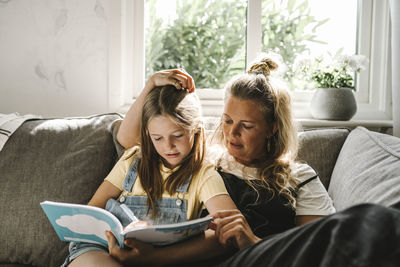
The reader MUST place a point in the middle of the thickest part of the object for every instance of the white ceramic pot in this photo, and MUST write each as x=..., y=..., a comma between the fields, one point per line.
x=333, y=104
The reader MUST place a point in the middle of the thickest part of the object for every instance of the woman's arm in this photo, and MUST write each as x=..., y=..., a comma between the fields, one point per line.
x=105, y=191
x=129, y=132
x=313, y=201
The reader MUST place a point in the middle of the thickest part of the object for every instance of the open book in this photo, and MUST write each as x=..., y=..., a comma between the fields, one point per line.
x=83, y=223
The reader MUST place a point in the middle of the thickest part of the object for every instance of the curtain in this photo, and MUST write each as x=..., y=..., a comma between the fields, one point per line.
x=395, y=20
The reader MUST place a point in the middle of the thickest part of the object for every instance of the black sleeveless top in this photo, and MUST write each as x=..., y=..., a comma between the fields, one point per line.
x=264, y=214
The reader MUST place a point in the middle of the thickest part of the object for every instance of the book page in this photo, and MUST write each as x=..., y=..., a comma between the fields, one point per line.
x=167, y=234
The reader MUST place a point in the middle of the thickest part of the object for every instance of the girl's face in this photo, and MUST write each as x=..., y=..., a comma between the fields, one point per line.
x=172, y=142
x=245, y=130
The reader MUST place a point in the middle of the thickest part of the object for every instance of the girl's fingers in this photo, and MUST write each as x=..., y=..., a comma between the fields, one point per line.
x=222, y=218
x=133, y=243
x=229, y=236
x=212, y=225
x=230, y=233
x=223, y=224
x=137, y=224
x=112, y=242
x=230, y=226
x=225, y=213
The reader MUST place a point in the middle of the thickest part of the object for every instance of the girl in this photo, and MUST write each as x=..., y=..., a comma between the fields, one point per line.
x=164, y=179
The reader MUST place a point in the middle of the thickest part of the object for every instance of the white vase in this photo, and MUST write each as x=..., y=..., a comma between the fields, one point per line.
x=333, y=104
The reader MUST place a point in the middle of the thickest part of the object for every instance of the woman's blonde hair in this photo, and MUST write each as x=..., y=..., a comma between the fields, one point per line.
x=184, y=109
x=275, y=104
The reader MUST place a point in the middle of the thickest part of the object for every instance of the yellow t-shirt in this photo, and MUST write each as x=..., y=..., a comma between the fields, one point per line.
x=203, y=186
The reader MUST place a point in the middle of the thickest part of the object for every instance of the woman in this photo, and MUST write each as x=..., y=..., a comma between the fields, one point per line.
x=256, y=161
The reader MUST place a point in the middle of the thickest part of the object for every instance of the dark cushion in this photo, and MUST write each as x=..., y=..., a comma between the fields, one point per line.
x=367, y=170
x=49, y=159
x=320, y=148
x=14, y=265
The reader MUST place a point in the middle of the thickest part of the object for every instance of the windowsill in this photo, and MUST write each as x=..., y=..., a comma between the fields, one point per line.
x=383, y=126
x=350, y=123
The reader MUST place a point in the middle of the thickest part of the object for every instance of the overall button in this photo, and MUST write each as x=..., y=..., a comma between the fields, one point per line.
x=178, y=202
x=122, y=199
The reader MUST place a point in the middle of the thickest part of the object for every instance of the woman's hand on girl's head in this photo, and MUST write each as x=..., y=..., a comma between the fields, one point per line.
x=176, y=77
x=231, y=228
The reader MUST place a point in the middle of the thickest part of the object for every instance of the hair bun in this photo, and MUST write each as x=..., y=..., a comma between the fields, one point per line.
x=264, y=66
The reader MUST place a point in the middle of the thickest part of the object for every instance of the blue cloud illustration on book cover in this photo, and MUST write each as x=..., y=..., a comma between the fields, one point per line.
x=82, y=225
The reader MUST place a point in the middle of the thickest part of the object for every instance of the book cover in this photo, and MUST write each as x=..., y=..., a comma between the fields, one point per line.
x=83, y=223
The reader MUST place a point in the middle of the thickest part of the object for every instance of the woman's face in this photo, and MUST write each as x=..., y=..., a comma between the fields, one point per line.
x=245, y=130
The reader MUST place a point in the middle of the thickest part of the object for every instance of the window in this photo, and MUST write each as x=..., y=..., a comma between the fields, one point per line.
x=360, y=27
x=206, y=37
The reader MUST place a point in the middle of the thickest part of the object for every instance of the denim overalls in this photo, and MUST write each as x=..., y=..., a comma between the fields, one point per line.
x=169, y=210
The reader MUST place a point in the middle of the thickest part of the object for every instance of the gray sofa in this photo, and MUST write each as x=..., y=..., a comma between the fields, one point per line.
x=66, y=160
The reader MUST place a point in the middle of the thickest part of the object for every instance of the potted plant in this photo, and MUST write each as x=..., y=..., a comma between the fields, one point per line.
x=333, y=77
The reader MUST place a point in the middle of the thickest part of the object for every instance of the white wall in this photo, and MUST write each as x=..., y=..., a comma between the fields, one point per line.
x=54, y=57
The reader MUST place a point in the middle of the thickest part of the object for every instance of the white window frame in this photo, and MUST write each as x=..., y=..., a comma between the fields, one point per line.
x=127, y=60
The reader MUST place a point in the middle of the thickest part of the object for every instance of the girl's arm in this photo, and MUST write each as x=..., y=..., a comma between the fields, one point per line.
x=105, y=191
x=220, y=202
x=196, y=249
x=129, y=132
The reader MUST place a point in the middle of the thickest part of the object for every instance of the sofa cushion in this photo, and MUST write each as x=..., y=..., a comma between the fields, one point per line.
x=367, y=170
x=49, y=159
x=320, y=148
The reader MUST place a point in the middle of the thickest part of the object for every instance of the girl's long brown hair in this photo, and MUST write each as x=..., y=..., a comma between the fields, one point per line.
x=184, y=109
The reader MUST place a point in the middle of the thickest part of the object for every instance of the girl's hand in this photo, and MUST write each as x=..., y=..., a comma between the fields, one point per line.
x=176, y=77
x=231, y=228
x=137, y=224
x=139, y=254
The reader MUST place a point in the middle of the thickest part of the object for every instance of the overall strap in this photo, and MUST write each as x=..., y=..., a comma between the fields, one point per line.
x=300, y=185
x=131, y=176
x=306, y=181
x=184, y=188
